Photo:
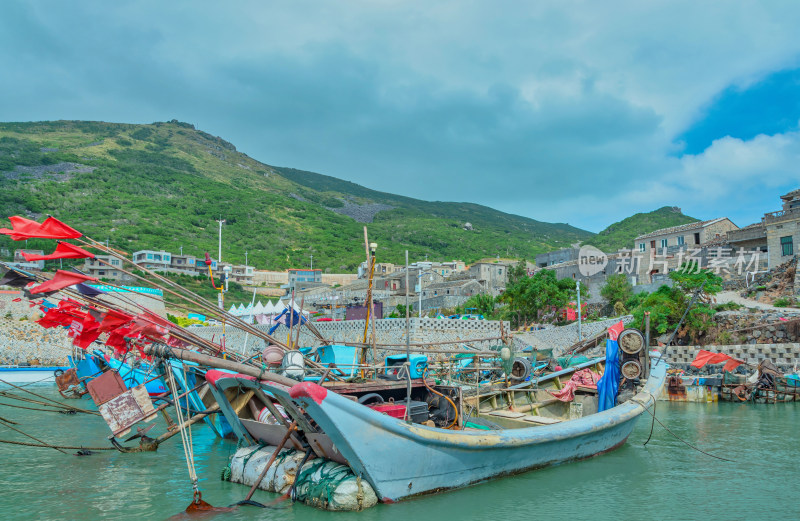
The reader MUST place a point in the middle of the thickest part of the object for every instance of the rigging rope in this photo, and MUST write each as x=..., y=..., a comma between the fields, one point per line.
x=186, y=439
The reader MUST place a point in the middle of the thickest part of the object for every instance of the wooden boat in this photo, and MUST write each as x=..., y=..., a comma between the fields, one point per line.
x=401, y=459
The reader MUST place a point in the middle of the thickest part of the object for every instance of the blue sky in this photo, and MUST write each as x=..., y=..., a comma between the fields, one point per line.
x=578, y=112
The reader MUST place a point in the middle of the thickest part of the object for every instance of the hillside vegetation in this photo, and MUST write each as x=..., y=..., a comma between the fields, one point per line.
x=621, y=234
x=162, y=186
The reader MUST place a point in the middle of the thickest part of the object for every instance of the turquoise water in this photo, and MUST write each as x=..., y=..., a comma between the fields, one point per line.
x=663, y=481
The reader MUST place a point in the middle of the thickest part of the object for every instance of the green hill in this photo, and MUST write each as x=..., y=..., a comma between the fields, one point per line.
x=621, y=234
x=164, y=185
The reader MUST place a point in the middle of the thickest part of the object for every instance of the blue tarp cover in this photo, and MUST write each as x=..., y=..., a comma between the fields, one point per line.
x=608, y=385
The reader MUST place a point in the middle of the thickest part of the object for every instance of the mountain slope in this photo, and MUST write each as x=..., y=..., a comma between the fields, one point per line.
x=164, y=185
x=621, y=234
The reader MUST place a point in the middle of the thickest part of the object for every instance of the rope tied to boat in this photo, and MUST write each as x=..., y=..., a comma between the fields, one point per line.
x=186, y=436
x=652, y=413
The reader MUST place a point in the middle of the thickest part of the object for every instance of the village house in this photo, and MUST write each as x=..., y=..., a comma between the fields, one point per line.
x=493, y=276
x=21, y=263
x=101, y=270
x=782, y=229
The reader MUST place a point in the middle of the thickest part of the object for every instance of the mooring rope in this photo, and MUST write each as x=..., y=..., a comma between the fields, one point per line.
x=186, y=439
x=48, y=446
x=701, y=451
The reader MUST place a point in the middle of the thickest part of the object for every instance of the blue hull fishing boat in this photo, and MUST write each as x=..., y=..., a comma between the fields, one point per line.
x=92, y=365
x=402, y=459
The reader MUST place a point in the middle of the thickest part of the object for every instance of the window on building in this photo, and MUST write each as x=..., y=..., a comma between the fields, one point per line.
x=663, y=243
x=115, y=262
x=787, y=248
x=642, y=246
x=101, y=272
x=697, y=238
x=149, y=256
x=681, y=241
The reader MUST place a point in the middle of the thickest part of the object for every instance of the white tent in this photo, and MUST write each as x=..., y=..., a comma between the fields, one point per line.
x=232, y=311
x=258, y=309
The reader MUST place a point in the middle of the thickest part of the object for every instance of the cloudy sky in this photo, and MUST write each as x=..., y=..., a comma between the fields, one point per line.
x=578, y=112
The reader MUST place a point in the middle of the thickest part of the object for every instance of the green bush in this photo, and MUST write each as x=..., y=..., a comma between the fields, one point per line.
x=783, y=302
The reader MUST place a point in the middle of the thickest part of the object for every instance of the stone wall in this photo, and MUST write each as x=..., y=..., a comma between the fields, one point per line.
x=785, y=356
x=22, y=340
x=387, y=331
x=758, y=326
x=561, y=338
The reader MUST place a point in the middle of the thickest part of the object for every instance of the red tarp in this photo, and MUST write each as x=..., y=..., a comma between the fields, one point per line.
x=61, y=280
x=707, y=357
x=64, y=250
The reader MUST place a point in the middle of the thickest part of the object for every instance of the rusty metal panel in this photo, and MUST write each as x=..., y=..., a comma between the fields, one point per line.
x=128, y=409
x=105, y=387
x=324, y=447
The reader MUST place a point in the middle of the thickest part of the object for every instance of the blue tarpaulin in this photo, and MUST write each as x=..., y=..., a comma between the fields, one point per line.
x=283, y=318
x=608, y=385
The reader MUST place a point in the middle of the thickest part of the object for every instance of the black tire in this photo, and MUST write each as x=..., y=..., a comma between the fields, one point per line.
x=483, y=422
x=58, y=372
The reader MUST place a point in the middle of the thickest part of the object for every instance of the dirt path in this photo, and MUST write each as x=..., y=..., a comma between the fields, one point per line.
x=724, y=297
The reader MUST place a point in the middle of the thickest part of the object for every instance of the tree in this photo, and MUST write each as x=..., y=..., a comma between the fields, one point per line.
x=483, y=303
x=617, y=290
x=542, y=292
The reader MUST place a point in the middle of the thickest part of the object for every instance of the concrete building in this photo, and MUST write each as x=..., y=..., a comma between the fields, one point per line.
x=302, y=279
x=99, y=270
x=783, y=229
x=152, y=259
x=21, y=263
x=556, y=257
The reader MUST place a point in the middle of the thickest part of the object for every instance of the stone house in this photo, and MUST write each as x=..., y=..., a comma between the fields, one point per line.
x=94, y=268
x=493, y=276
x=459, y=288
x=656, y=248
x=782, y=229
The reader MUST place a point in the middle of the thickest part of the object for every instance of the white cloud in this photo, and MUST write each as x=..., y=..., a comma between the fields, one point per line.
x=559, y=111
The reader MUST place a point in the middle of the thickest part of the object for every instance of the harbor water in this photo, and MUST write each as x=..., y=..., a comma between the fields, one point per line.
x=663, y=481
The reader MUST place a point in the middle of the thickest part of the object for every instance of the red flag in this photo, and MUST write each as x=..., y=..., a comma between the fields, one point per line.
x=58, y=230
x=113, y=320
x=22, y=228
x=61, y=280
x=116, y=339
x=615, y=330
x=88, y=333
x=51, y=228
x=64, y=250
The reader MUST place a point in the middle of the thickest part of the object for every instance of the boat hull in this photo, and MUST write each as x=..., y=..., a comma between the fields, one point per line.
x=402, y=460
x=22, y=375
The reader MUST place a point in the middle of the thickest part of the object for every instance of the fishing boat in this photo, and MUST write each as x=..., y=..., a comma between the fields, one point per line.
x=402, y=459
x=30, y=373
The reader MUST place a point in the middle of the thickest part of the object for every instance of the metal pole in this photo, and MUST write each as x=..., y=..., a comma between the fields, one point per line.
x=219, y=254
x=408, y=348
x=312, y=263
x=420, y=291
x=578, y=288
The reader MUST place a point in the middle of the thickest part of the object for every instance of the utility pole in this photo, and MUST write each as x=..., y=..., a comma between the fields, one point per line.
x=219, y=255
x=245, y=257
x=312, y=262
x=181, y=250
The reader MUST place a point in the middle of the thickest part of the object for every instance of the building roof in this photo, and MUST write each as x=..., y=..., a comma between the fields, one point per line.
x=792, y=194
x=681, y=228
x=450, y=284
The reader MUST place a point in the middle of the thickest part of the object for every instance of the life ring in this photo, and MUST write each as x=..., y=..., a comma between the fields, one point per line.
x=58, y=372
